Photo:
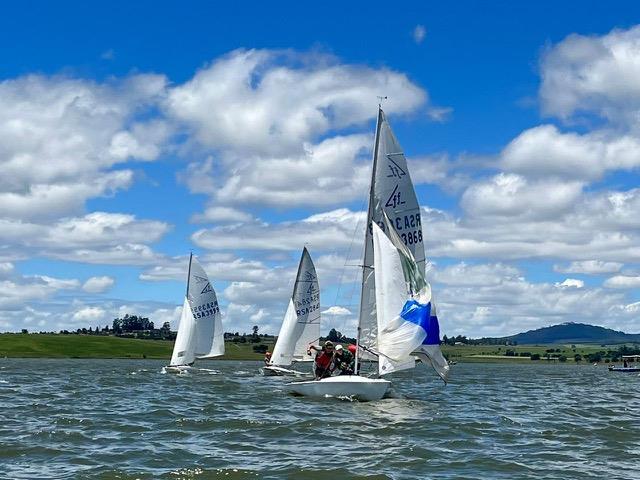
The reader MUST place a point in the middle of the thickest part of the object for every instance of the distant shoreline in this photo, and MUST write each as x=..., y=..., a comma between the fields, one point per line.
x=79, y=346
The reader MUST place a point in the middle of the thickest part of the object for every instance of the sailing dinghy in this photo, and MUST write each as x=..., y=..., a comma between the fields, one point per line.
x=200, y=334
x=301, y=325
x=395, y=304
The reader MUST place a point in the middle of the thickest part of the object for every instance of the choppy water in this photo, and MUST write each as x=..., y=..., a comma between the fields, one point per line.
x=123, y=419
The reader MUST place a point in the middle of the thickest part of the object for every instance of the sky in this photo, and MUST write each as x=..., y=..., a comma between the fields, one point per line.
x=132, y=133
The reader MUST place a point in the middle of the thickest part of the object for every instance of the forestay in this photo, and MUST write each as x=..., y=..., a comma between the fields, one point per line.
x=392, y=193
x=301, y=324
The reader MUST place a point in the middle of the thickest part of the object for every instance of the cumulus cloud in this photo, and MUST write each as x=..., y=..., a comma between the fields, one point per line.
x=336, y=310
x=589, y=267
x=544, y=151
x=623, y=281
x=88, y=315
x=98, y=284
x=273, y=102
x=595, y=74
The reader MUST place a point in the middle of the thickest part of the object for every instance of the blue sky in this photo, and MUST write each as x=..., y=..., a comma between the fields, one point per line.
x=133, y=133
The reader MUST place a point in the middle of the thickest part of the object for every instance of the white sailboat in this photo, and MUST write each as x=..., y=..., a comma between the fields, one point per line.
x=393, y=238
x=301, y=325
x=200, y=333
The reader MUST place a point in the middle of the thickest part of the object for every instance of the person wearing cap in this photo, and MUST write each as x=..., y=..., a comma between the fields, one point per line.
x=344, y=360
x=267, y=358
x=324, y=363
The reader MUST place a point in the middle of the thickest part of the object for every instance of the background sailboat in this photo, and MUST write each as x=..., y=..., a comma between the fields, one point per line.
x=200, y=333
x=301, y=325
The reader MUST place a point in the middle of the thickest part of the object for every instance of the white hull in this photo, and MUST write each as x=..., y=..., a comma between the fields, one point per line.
x=354, y=386
x=275, y=371
x=177, y=369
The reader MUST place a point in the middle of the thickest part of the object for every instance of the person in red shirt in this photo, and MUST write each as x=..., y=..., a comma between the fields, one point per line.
x=324, y=364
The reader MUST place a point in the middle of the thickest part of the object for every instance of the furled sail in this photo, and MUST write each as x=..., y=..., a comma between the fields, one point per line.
x=392, y=193
x=301, y=325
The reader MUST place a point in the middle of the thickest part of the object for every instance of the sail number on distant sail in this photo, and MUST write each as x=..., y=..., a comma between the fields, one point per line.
x=307, y=305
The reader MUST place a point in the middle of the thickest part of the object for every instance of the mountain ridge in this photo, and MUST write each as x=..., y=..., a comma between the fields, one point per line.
x=572, y=332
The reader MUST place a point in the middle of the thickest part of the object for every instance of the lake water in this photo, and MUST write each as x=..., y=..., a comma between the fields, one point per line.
x=120, y=419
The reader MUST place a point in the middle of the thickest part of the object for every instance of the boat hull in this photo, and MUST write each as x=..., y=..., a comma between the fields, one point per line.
x=275, y=371
x=624, y=369
x=178, y=369
x=353, y=386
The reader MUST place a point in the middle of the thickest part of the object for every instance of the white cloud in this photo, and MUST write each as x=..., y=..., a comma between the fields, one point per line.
x=419, y=33
x=593, y=74
x=514, y=196
x=623, y=281
x=222, y=215
x=570, y=283
x=98, y=284
x=589, y=267
x=59, y=136
x=544, y=151
x=272, y=102
x=89, y=315
x=336, y=310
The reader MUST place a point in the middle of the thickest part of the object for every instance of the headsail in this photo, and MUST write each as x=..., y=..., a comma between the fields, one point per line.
x=184, y=346
x=301, y=324
x=392, y=193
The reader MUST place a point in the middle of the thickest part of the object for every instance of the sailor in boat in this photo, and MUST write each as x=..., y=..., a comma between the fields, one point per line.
x=324, y=363
x=344, y=361
x=267, y=358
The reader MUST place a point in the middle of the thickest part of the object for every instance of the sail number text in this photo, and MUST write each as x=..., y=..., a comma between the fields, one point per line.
x=205, y=310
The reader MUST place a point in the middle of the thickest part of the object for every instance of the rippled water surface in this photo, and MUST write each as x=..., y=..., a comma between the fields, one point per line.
x=125, y=419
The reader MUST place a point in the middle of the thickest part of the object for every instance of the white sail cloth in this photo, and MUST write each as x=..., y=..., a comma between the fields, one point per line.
x=391, y=194
x=184, y=347
x=405, y=322
x=301, y=324
x=200, y=333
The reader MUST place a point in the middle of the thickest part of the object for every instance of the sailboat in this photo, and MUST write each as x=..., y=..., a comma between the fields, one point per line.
x=393, y=236
x=301, y=325
x=200, y=333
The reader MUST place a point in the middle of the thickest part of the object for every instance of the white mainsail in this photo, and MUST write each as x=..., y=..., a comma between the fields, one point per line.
x=301, y=325
x=391, y=193
x=200, y=333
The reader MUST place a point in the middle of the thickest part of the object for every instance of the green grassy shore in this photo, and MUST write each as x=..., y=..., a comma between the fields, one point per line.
x=91, y=346
x=94, y=346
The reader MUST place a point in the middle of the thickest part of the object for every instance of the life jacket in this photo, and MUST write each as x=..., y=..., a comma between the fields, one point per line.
x=323, y=360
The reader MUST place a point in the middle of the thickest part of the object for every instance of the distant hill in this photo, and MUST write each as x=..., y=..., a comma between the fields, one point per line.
x=573, y=333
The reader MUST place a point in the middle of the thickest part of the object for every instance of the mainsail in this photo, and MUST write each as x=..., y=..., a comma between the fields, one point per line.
x=392, y=193
x=200, y=333
x=301, y=325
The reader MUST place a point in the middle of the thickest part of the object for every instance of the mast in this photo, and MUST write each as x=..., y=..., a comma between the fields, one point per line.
x=189, y=275
x=369, y=220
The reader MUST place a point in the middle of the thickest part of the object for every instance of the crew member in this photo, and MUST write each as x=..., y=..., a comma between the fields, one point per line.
x=324, y=359
x=344, y=361
x=267, y=358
